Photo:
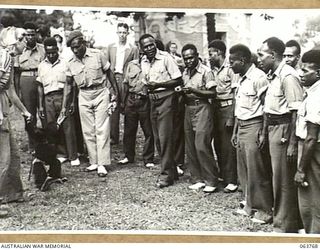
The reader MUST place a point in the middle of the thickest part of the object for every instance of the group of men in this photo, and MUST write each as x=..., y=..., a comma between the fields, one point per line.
x=248, y=109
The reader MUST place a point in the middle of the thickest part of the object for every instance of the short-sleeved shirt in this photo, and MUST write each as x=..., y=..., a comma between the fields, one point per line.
x=30, y=58
x=225, y=78
x=284, y=92
x=162, y=69
x=90, y=71
x=202, y=79
x=134, y=78
x=309, y=111
x=5, y=67
x=52, y=76
x=248, y=94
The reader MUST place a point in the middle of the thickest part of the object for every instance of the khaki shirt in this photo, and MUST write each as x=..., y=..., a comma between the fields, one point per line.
x=309, y=111
x=202, y=79
x=30, y=58
x=248, y=102
x=134, y=78
x=90, y=71
x=284, y=92
x=225, y=78
x=162, y=69
x=52, y=76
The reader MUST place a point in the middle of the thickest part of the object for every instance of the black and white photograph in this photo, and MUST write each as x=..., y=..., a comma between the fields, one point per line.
x=160, y=120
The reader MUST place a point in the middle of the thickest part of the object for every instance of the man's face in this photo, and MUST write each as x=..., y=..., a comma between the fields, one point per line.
x=122, y=33
x=52, y=53
x=190, y=58
x=78, y=47
x=291, y=57
x=30, y=36
x=173, y=48
x=214, y=57
x=148, y=46
x=265, y=58
x=308, y=75
x=236, y=64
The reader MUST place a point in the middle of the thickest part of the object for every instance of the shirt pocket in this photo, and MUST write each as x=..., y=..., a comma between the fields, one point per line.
x=78, y=74
x=94, y=72
x=247, y=98
x=276, y=99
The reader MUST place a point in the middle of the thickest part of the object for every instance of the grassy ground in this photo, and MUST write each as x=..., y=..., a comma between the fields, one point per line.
x=126, y=199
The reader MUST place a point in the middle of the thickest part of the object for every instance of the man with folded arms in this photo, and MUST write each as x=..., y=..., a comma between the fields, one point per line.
x=89, y=70
x=198, y=86
x=51, y=80
x=161, y=76
x=283, y=97
x=254, y=174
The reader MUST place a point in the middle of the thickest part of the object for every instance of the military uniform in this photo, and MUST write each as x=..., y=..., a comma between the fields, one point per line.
x=94, y=97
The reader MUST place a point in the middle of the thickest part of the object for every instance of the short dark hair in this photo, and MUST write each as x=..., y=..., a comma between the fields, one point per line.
x=159, y=44
x=124, y=25
x=312, y=56
x=50, y=41
x=29, y=26
x=242, y=51
x=294, y=43
x=276, y=45
x=144, y=36
x=218, y=44
x=189, y=46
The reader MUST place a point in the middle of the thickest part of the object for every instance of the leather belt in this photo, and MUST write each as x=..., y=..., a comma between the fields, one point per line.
x=278, y=119
x=33, y=72
x=137, y=96
x=93, y=87
x=160, y=94
x=251, y=121
x=195, y=102
x=224, y=103
x=55, y=92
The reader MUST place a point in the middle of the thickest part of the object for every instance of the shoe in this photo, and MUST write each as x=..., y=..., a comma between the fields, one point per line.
x=75, y=163
x=242, y=212
x=102, y=172
x=301, y=231
x=230, y=188
x=62, y=159
x=209, y=189
x=162, y=184
x=92, y=167
x=197, y=186
x=180, y=171
x=242, y=204
x=124, y=161
x=45, y=186
x=255, y=220
x=149, y=165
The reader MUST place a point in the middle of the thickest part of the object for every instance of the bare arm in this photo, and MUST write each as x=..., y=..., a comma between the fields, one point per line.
x=41, y=100
x=114, y=87
x=292, y=151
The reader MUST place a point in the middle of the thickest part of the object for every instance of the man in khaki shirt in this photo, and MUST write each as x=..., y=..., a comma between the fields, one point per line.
x=283, y=97
x=26, y=70
x=253, y=172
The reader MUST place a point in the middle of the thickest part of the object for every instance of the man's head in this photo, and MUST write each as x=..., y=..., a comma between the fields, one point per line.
x=122, y=32
x=240, y=58
x=173, y=48
x=51, y=48
x=270, y=54
x=148, y=45
x=217, y=52
x=310, y=68
x=190, y=56
x=292, y=52
x=77, y=43
x=30, y=34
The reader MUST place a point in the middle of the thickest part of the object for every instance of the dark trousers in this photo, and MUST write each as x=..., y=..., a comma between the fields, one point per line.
x=198, y=136
x=29, y=97
x=67, y=146
x=254, y=175
x=162, y=114
x=178, y=135
x=286, y=217
x=226, y=153
x=137, y=110
x=115, y=117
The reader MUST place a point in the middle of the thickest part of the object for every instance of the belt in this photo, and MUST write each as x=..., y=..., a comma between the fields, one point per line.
x=56, y=92
x=160, y=94
x=195, y=102
x=224, y=103
x=93, y=87
x=137, y=96
x=33, y=72
x=279, y=119
x=251, y=121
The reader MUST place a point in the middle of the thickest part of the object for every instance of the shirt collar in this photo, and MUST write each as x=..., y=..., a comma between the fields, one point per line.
x=86, y=54
x=313, y=88
x=277, y=71
x=248, y=73
x=126, y=46
x=55, y=63
x=35, y=48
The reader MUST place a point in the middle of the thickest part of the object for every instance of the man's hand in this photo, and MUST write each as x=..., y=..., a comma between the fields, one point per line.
x=41, y=113
x=234, y=140
x=292, y=153
x=71, y=109
x=229, y=123
x=299, y=178
x=27, y=116
x=186, y=90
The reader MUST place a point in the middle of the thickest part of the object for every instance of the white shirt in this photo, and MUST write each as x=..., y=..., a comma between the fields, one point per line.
x=120, y=57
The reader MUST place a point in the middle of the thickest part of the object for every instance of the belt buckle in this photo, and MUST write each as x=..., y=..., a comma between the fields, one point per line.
x=154, y=96
x=197, y=102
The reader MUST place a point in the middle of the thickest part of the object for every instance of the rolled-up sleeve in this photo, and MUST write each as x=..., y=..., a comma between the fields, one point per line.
x=104, y=62
x=209, y=79
x=293, y=92
x=172, y=68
